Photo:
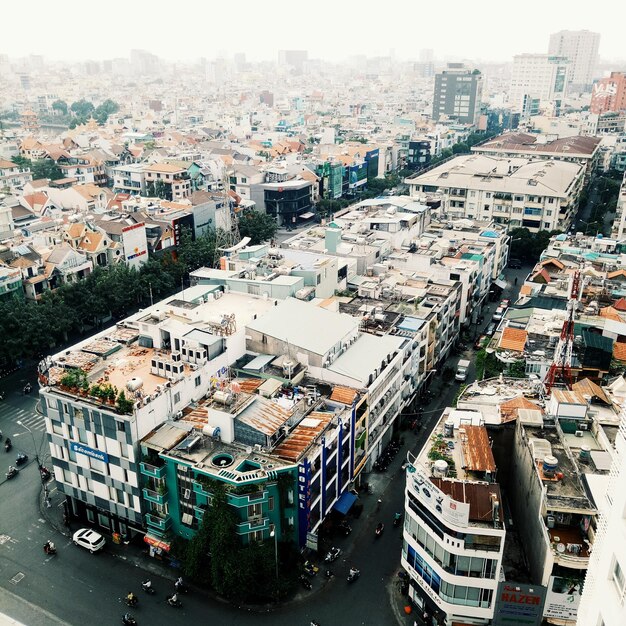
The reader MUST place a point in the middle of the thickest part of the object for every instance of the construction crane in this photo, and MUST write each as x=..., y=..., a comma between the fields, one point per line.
x=226, y=234
x=560, y=371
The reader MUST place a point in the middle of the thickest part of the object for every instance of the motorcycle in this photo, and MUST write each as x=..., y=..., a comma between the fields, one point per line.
x=149, y=589
x=379, y=529
x=131, y=602
x=353, y=575
x=7, y=445
x=49, y=548
x=181, y=587
x=44, y=472
x=397, y=519
x=305, y=582
x=27, y=388
x=332, y=555
x=13, y=471
x=177, y=604
x=345, y=528
x=310, y=569
x=128, y=620
x=21, y=458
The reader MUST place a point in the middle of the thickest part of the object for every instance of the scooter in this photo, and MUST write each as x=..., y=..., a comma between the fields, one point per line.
x=44, y=472
x=13, y=471
x=345, y=528
x=379, y=529
x=132, y=602
x=397, y=519
x=7, y=445
x=128, y=620
x=27, y=388
x=353, y=575
x=333, y=555
x=21, y=458
x=181, y=587
x=177, y=604
x=49, y=548
x=149, y=589
x=310, y=569
x=305, y=582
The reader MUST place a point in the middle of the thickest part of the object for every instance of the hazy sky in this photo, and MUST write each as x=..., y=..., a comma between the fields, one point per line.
x=329, y=29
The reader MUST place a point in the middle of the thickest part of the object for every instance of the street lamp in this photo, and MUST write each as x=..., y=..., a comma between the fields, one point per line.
x=34, y=445
x=274, y=534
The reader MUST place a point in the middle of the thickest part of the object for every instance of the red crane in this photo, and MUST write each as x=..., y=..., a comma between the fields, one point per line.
x=560, y=371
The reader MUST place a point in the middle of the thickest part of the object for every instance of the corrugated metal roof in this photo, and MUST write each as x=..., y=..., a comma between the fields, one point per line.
x=509, y=409
x=588, y=388
x=476, y=449
x=477, y=495
x=264, y=415
x=513, y=339
x=249, y=385
x=345, y=395
x=595, y=340
x=303, y=435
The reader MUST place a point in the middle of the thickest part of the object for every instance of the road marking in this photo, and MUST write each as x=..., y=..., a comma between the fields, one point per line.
x=16, y=579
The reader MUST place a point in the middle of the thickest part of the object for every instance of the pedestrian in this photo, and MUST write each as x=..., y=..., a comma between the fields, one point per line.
x=515, y=282
x=48, y=504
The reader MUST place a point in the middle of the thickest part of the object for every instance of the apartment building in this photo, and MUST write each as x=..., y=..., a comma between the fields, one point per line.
x=174, y=178
x=539, y=77
x=130, y=179
x=581, y=48
x=453, y=536
x=609, y=94
x=618, y=229
x=517, y=192
x=106, y=393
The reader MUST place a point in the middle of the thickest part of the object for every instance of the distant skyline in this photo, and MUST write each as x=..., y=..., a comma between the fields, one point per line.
x=489, y=30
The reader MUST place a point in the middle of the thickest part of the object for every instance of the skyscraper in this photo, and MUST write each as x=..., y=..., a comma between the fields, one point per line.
x=581, y=48
x=458, y=93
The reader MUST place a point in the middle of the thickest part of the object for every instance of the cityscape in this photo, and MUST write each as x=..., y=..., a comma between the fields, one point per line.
x=312, y=324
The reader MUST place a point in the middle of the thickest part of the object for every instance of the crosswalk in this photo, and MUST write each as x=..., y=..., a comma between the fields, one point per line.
x=9, y=416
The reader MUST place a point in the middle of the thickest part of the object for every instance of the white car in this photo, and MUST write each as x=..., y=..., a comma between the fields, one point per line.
x=89, y=539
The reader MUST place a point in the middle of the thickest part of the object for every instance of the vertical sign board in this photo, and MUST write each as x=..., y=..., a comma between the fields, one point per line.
x=437, y=501
x=518, y=603
x=135, y=244
x=304, y=501
x=563, y=598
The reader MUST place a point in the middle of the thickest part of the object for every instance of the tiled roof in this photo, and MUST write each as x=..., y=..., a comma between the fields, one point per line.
x=540, y=276
x=345, y=395
x=509, y=409
x=513, y=339
x=620, y=304
x=588, y=388
x=610, y=313
x=619, y=351
x=554, y=262
x=616, y=274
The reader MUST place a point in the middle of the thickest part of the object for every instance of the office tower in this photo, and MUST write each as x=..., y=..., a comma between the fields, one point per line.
x=458, y=93
x=581, y=48
x=609, y=94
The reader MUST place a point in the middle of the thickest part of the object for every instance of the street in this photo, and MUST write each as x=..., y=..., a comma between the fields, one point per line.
x=74, y=586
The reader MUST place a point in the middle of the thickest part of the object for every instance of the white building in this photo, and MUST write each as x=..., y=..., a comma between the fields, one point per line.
x=129, y=178
x=538, y=76
x=515, y=191
x=453, y=538
x=581, y=48
x=602, y=601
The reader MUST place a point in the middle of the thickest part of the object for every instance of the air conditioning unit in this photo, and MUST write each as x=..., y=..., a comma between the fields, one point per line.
x=579, y=433
x=583, y=426
x=187, y=494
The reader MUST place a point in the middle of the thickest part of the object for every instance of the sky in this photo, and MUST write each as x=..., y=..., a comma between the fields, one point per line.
x=488, y=30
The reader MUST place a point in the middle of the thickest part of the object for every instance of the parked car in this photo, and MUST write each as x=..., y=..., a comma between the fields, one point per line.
x=505, y=304
x=515, y=264
x=491, y=329
x=89, y=539
x=478, y=344
x=498, y=313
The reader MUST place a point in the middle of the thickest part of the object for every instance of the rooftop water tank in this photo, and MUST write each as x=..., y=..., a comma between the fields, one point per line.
x=223, y=397
x=440, y=468
x=550, y=465
x=134, y=383
x=448, y=428
x=211, y=431
x=585, y=454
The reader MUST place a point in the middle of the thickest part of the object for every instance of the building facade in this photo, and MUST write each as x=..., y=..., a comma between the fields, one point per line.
x=609, y=94
x=458, y=94
x=581, y=48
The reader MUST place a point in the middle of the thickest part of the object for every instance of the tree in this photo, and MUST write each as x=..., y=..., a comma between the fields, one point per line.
x=60, y=106
x=163, y=191
x=82, y=108
x=198, y=253
x=46, y=168
x=22, y=162
x=259, y=227
x=102, y=112
x=528, y=246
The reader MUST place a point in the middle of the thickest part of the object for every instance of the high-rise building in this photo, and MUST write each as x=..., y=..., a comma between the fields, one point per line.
x=604, y=590
x=609, y=94
x=458, y=92
x=296, y=59
x=581, y=48
x=538, y=76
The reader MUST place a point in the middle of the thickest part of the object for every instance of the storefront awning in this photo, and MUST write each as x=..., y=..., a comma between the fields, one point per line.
x=500, y=283
x=306, y=216
x=344, y=503
x=156, y=542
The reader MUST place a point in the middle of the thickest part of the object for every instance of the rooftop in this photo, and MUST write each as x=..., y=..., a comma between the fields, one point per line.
x=576, y=145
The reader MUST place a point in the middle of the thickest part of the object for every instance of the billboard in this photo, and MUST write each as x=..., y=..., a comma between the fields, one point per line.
x=135, y=244
x=437, y=501
x=563, y=597
x=519, y=603
x=357, y=175
x=304, y=501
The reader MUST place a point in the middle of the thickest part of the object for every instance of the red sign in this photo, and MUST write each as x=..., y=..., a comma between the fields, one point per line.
x=157, y=543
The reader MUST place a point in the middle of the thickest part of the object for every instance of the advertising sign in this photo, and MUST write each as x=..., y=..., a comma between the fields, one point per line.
x=79, y=448
x=437, y=501
x=357, y=175
x=518, y=603
x=135, y=244
x=563, y=597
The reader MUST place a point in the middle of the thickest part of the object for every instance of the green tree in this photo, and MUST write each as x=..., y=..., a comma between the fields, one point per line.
x=528, y=246
x=104, y=110
x=82, y=108
x=46, y=168
x=60, y=106
x=199, y=253
x=163, y=191
x=260, y=227
x=22, y=162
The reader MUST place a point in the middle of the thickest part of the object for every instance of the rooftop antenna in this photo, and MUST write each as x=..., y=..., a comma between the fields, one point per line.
x=227, y=235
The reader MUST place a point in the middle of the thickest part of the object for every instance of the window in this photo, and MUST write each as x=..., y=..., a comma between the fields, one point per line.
x=177, y=397
x=270, y=503
x=254, y=510
x=619, y=580
x=90, y=516
x=550, y=200
x=57, y=427
x=121, y=426
x=198, y=380
x=256, y=535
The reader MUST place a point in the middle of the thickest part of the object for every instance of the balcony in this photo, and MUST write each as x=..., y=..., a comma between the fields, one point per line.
x=152, y=470
x=200, y=489
x=158, y=497
x=243, y=500
x=569, y=547
x=253, y=525
x=198, y=512
x=159, y=521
